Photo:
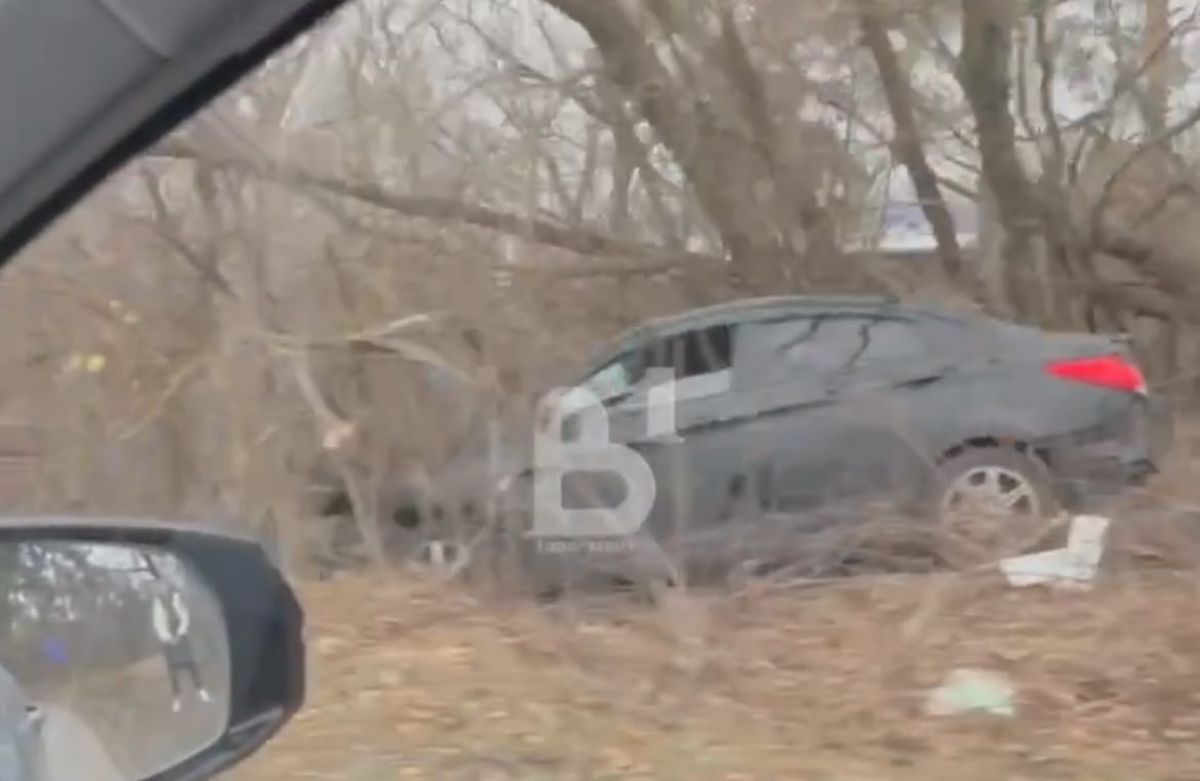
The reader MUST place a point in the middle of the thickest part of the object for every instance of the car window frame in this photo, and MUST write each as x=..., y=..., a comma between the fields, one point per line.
x=666, y=349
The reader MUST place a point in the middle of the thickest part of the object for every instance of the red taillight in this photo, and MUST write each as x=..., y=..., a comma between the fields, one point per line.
x=1107, y=371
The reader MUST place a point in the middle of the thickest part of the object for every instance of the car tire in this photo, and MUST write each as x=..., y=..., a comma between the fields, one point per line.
x=993, y=502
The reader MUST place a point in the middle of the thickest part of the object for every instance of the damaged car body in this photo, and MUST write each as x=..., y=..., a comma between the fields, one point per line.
x=795, y=414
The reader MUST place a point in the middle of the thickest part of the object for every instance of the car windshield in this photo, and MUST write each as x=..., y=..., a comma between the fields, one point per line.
x=914, y=288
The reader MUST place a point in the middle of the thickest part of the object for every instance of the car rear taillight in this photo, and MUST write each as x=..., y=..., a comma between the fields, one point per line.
x=1106, y=371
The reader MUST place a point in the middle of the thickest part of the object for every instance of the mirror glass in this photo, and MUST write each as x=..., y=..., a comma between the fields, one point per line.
x=114, y=662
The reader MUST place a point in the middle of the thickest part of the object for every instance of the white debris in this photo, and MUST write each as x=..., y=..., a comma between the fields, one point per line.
x=1074, y=566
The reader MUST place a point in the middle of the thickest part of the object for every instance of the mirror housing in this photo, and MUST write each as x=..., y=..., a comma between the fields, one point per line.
x=263, y=624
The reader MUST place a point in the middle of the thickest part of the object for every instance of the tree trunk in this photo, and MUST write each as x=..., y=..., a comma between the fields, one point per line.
x=710, y=111
x=984, y=75
x=1156, y=52
x=908, y=146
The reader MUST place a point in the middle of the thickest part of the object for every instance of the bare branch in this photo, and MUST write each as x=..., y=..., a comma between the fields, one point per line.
x=1022, y=86
x=205, y=267
x=1157, y=38
x=955, y=187
x=576, y=240
x=1128, y=80
x=1160, y=141
x=1046, y=62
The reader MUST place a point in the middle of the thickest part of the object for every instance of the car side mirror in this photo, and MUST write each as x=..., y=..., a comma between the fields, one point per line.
x=132, y=650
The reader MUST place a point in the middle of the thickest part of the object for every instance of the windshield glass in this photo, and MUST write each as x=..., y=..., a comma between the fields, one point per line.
x=843, y=543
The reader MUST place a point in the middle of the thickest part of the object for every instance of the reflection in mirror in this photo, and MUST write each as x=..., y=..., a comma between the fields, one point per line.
x=115, y=662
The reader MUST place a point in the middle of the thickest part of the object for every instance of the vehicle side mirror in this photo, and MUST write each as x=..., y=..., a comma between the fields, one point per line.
x=140, y=651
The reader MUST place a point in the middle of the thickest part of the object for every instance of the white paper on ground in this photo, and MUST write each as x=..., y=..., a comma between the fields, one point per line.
x=1074, y=566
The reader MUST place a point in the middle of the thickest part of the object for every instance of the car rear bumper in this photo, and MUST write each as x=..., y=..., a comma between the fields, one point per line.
x=1125, y=450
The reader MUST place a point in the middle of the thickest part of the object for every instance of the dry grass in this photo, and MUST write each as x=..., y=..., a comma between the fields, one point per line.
x=416, y=680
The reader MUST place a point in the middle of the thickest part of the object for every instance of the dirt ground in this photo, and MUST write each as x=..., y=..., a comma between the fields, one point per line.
x=418, y=679
x=422, y=680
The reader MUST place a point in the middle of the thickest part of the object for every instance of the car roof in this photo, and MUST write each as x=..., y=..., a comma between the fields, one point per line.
x=750, y=310
x=765, y=308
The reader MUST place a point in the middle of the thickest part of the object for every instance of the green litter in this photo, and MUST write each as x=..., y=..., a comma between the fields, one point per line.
x=973, y=691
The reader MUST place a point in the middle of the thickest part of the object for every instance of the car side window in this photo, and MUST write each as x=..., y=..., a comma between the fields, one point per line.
x=701, y=361
x=695, y=353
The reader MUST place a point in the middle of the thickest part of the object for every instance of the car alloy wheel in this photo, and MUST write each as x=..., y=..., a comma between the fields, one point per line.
x=994, y=502
x=993, y=490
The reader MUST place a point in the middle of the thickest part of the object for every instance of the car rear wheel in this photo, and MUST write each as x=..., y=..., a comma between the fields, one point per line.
x=994, y=502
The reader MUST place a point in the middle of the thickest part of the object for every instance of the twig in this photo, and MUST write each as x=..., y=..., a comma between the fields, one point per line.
x=174, y=385
x=204, y=267
x=1158, y=141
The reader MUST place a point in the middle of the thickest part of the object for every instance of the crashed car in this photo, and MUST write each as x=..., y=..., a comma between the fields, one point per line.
x=793, y=413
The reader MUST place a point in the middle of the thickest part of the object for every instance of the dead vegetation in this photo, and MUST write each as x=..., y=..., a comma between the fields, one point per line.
x=311, y=285
x=777, y=678
x=412, y=679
